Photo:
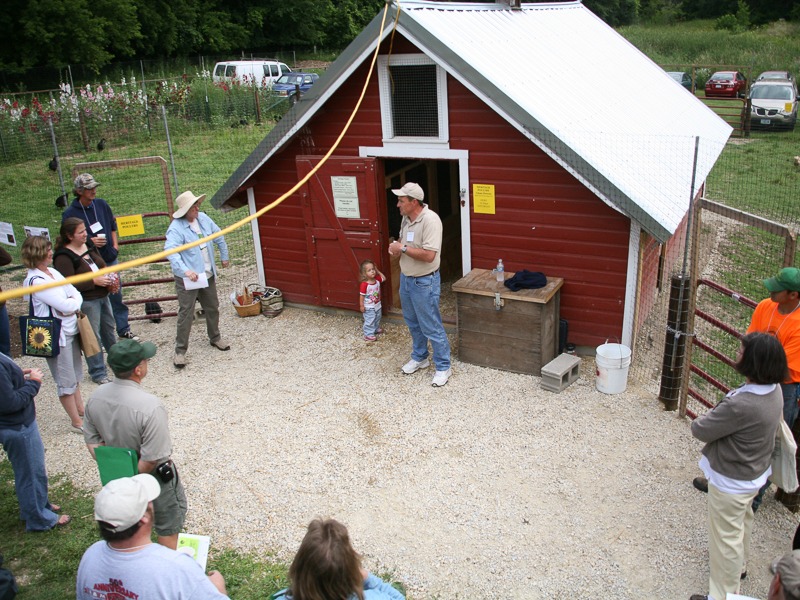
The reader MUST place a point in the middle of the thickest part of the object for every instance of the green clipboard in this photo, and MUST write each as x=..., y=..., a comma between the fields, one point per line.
x=114, y=463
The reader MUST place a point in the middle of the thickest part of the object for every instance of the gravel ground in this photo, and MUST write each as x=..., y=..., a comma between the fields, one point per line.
x=488, y=487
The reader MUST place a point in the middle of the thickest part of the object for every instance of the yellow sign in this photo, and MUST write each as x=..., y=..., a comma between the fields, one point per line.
x=483, y=198
x=130, y=225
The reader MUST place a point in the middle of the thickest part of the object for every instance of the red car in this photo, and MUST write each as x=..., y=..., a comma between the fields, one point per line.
x=728, y=84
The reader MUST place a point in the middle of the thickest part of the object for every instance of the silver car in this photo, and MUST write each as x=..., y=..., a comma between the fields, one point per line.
x=773, y=104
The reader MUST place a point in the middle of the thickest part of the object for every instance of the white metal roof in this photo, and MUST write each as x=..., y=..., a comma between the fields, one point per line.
x=568, y=82
x=583, y=93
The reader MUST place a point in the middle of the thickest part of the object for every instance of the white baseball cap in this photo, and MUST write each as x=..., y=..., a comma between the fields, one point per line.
x=122, y=502
x=412, y=190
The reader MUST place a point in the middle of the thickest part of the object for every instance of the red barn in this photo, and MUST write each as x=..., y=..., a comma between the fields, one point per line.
x=539, y=135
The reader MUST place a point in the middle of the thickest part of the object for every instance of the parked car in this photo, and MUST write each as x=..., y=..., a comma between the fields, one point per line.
x=730, y=84
x=261, y=72
x=286, y=85
x=683, y=78
x=773, y=104
x=775, y=75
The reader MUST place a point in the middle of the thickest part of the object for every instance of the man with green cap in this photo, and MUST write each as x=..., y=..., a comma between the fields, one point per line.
x=123, y=415
x=778, y=316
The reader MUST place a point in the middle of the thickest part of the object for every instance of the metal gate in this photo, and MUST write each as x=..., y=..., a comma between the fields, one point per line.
x=720, y=304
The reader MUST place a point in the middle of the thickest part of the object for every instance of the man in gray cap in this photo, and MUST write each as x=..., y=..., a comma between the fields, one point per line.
x=123, y=415
x=420, y=249
x=786, y=583
x=126, y=564
x=101, y=227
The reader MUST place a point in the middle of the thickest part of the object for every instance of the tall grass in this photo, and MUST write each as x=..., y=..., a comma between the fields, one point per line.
x=770, y=47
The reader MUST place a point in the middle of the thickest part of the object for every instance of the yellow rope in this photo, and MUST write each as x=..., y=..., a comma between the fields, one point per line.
x=18, y=292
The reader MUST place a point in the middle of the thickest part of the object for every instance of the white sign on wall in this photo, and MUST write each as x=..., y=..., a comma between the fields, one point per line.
x=345, y=197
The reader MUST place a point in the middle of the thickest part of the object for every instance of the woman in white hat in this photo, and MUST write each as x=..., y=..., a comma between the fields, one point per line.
x=192, y=265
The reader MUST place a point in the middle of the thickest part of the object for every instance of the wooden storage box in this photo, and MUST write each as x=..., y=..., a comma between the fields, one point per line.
x=522, y=336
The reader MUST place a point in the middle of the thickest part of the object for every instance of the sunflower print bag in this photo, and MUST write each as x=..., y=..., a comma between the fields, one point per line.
x=40, y=335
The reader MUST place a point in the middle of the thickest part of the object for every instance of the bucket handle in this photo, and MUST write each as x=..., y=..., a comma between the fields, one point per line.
x=619, y=343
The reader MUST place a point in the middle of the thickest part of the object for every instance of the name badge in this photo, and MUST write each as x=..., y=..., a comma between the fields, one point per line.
x=409, y=236
x=95, y=227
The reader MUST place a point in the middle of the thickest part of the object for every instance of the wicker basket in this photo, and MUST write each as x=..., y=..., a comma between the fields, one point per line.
x=251, y=304
x=248, y=310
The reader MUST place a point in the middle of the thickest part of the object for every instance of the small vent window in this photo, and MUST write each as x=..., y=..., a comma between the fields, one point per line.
x=413, y=99
x=414, y=104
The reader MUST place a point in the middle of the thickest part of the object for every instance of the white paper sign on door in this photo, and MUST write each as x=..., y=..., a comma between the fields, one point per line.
x=345, y=197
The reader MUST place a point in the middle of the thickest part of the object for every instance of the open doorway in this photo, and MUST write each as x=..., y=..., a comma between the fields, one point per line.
x=440, y=182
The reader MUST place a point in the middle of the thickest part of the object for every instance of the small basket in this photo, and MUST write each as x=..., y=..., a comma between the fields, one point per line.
x=251, y=306
x=248, y=310
x=270, y=312
x=272, y=300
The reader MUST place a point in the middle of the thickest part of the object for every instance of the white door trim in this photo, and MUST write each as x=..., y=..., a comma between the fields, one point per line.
x=413, y=151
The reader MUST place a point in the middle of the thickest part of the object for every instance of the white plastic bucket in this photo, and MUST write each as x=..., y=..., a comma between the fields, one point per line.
x=613, y=361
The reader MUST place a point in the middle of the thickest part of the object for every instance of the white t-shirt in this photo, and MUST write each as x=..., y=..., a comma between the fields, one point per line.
x=195, y=226
x=152, y=572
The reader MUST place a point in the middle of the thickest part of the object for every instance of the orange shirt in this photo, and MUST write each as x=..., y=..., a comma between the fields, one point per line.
x=786, y=328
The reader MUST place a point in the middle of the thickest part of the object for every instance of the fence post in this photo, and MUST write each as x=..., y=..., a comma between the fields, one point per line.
x=674, y=365
x=146, y=103
x=258, y=105
x=169, y=146
x=56, y=157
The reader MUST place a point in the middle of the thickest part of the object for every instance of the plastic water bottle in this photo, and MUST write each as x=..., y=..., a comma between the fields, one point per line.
x=499, y=271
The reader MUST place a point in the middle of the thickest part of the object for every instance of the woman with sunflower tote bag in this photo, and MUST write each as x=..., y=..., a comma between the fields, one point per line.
x=63, y=302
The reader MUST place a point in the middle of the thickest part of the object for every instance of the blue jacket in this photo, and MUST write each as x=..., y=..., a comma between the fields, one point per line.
x=16, y=395
x=97, y=211
x=180, y=233
x=374, y=589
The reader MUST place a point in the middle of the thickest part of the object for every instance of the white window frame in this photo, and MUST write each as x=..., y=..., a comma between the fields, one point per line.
x=384, y=85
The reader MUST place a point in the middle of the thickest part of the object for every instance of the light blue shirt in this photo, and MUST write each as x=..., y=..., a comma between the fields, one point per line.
x=180, y=233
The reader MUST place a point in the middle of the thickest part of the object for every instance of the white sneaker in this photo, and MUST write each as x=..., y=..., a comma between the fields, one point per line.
x=413, y=366
x=441, y=377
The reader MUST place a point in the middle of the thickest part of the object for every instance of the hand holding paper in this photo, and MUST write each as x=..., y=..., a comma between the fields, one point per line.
x=199, y=283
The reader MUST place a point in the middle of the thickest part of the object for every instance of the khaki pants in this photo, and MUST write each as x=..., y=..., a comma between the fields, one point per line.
x=210, y=304
x=730, y=522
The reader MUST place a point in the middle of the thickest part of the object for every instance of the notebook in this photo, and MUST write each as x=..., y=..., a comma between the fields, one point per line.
x=114, y=463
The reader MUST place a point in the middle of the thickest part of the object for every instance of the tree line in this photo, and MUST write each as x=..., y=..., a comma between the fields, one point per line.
x=95, y=33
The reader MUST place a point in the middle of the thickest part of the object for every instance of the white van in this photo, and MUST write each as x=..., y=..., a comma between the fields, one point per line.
x=262, y=72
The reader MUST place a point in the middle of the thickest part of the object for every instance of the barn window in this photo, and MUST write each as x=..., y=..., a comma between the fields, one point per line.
x=413, y=99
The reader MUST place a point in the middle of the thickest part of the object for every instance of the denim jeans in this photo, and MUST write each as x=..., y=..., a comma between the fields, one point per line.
x=118, y=307
x=102, y=320
x=420, y=298
x=5, y=334
x=790, y=410
x=372, y=320
x=26, y=454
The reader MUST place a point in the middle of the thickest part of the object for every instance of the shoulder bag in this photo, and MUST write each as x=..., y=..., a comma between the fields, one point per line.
x=784, y=465
x=40, y=335
x=88, y=339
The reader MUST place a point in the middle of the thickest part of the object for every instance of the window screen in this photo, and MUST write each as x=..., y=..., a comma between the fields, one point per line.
x=414, y=100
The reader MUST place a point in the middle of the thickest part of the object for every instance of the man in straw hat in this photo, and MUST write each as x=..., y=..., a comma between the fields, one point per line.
x=194, y=268
x=125, y=563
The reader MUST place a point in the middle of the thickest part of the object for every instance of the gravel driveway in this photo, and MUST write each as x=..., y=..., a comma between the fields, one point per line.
x=487, y=488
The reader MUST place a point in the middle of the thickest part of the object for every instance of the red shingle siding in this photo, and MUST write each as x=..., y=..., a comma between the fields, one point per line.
x=545, y=220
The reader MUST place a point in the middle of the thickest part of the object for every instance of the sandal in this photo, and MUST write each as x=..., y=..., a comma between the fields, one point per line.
x=55, y=508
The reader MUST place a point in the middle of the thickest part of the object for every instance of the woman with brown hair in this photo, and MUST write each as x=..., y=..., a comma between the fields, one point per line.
x=76, y=254
x=63, y=302
x=326, y=567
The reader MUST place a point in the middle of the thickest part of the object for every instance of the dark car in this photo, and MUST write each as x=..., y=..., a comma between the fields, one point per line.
x=726, y=84
x=683, y=78
x=286, y=85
